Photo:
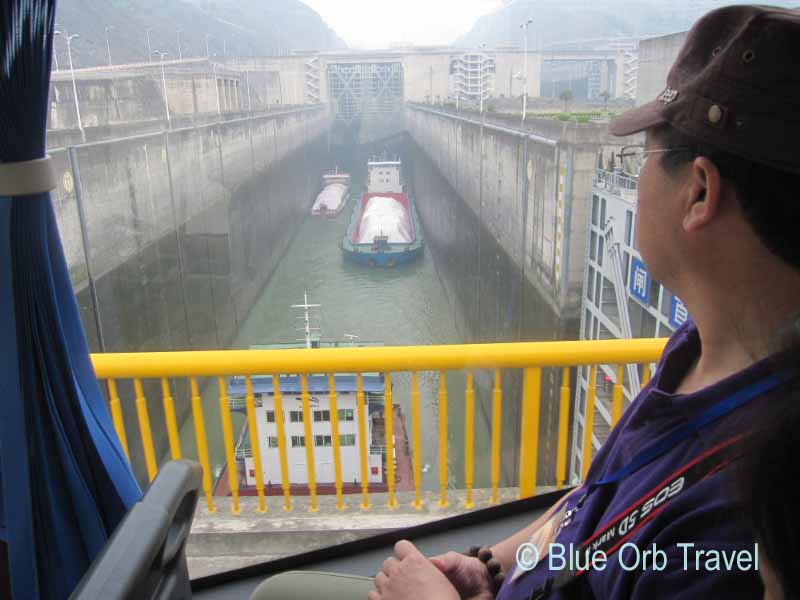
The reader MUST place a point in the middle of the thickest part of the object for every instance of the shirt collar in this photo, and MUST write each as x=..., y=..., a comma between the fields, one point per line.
x=679, y=356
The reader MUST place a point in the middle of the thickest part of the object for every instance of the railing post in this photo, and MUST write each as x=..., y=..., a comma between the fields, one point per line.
x=616, y=398
x=388, y=420
x=416, y=443
x=309, y=443
x=202, y=443
x=144, y=427
x=645, y=374
x=227, y=434
x=497, y=416
x=362, y=440
x=116, y=416
x=529, y=430
x=337, y=457
x=281, y=431
x=563, y=418
x=443, y=440
x=588, y=421
x=172, y=424
x=469, y=440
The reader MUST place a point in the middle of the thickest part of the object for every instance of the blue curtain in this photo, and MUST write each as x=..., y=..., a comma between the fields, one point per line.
x=65, y=482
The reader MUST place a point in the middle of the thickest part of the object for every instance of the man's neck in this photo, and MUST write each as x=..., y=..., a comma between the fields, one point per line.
x=738, y=323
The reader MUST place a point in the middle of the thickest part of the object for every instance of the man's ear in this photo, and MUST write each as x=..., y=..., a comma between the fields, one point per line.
x=703, y=194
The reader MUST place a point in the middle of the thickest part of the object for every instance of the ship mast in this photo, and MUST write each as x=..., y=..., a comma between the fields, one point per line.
x=306, y=329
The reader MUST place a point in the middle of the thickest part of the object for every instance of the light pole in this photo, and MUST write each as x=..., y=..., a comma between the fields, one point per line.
x=216, y=86
x=249, y=104
x=69, y=39
x=208, y=54
x=55, y=53
x=149, y=48
x=481, y=57
x=524, y=27
x=108, y=44
x=180, y=50
x=161, y=55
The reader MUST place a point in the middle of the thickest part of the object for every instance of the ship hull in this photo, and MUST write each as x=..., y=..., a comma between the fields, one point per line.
x=386, y=254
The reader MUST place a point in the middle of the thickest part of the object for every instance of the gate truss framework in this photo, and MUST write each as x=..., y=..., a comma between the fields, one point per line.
x=365, y=90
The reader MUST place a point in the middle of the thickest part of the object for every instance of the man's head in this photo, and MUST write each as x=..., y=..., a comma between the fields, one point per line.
x=727, y=128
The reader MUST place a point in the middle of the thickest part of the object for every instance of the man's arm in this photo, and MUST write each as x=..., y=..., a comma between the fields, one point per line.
x=506, y=551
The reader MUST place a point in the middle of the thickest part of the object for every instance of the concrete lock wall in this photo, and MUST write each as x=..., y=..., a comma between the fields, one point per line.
x=531, y=195
x=656, y=56
x=183, y=229
x=544, y=183
x=124, y=95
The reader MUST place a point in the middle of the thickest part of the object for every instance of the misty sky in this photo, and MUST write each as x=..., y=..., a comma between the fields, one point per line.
x=378, y=23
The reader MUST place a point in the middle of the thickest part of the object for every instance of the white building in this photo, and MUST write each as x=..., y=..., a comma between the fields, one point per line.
x=472, y=77
x=620, y=300
x=321, y=435
x=384, y=176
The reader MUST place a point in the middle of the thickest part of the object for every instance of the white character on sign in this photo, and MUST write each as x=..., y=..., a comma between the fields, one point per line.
x=640, y=282
x=680, y=312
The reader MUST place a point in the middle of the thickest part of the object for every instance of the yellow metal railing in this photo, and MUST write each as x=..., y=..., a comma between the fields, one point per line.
x=531, y=358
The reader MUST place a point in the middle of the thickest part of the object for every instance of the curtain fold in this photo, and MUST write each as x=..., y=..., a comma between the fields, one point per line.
x=64, y=481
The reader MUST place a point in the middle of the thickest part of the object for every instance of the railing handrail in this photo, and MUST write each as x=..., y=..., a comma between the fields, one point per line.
x=206, y=363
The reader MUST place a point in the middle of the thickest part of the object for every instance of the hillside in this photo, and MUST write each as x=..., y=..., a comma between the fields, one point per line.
x=560, y=21
x=238, y=27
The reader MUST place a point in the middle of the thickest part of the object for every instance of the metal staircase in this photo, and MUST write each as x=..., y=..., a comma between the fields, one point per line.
x=615, y=256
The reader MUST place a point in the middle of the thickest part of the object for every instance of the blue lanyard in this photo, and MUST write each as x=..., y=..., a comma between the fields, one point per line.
x=717, y=411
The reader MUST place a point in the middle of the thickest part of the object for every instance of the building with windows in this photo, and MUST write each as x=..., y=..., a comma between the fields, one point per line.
x=620, y=300
x=296, y=436
x=472, y=77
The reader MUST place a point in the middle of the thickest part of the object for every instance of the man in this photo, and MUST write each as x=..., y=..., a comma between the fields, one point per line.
x=716, y=219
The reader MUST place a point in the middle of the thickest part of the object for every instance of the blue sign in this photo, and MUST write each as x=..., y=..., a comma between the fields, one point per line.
x=639, y=281
x=677, y=312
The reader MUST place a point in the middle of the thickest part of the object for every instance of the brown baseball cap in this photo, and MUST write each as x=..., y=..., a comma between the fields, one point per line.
x=735, y=85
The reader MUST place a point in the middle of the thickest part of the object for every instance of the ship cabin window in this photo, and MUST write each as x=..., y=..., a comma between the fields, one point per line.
x=322, y=440
x=273, y=441
x=345, y=414
x=270, y=416
x=321, y=415
x=347, y=439
x=298, y=441
x=296, y=416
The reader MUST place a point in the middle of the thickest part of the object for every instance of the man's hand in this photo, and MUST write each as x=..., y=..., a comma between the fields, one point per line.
x=468, y=575
x=408, y=574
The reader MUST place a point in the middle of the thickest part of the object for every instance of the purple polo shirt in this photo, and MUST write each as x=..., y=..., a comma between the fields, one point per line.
x=705, y=514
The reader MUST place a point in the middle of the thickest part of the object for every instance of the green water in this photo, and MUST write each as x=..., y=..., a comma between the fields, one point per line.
x=405, y=305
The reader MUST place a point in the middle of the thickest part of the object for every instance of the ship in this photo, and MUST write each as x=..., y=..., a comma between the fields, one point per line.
x=373, y=387
x=384, y=229
x=334, y=195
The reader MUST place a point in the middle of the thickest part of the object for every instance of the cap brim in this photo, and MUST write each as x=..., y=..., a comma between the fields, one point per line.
x=638, y=119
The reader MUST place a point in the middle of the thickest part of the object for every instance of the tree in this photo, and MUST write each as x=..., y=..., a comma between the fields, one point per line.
x=566, y=96
x=605, y=95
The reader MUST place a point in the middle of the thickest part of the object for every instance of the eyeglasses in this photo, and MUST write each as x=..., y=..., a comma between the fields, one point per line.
x=633, y=158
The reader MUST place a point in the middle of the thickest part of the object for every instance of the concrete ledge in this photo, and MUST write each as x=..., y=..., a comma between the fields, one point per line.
x=222, y=541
